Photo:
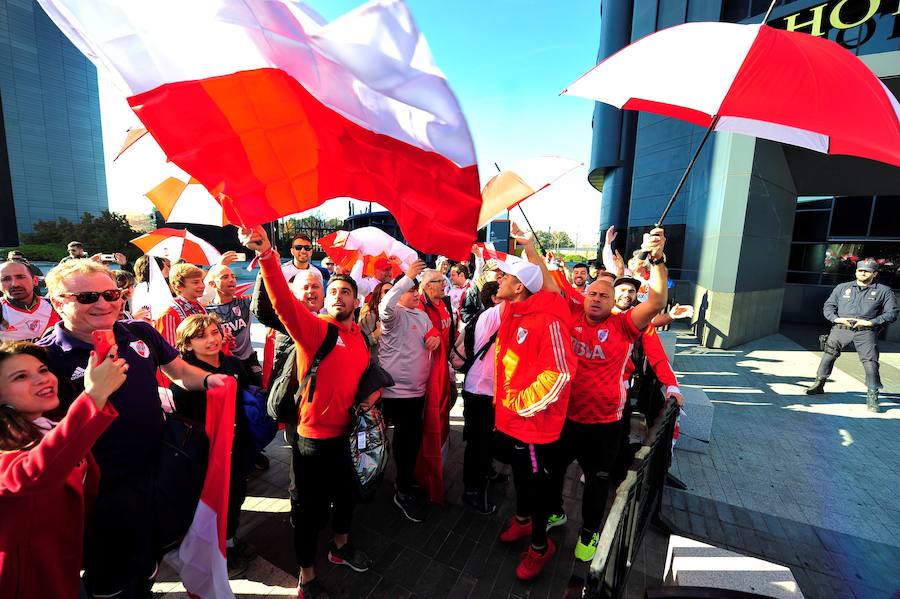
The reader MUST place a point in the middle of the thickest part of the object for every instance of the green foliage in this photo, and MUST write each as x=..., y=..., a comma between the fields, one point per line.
x=576, y=258
x=41, y=252
x=554, y=239
x=107, y=233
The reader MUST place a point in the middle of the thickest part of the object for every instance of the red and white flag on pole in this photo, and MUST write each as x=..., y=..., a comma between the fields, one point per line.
x=488, y=252
x=204, y=570
x=265, y=103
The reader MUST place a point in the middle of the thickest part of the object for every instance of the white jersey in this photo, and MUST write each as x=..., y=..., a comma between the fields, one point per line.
x=26, y=325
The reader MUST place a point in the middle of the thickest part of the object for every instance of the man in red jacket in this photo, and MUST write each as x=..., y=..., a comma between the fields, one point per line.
x=534, y=365
x=320, y=457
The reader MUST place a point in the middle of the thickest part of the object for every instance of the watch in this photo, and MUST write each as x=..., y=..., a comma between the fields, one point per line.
x=654, y=261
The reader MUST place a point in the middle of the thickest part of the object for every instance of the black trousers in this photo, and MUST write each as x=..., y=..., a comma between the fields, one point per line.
x=478, y=433
x=241, y=455
x=531, y=468
x=596, y=447
x=120, y=548
x=866, y=343
x=322, y=473
x=406, y=414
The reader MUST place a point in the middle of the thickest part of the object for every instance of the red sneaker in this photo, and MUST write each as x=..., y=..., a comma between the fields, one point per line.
x=533, y=562
x=515, y=530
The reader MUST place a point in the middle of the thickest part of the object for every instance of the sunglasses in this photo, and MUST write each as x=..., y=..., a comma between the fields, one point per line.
x=306, y=248
x=91, y=297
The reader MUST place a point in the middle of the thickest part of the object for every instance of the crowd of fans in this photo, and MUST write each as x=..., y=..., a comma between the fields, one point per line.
x=543, y=361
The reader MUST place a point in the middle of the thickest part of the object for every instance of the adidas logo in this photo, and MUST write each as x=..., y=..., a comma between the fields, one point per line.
x=78, y=374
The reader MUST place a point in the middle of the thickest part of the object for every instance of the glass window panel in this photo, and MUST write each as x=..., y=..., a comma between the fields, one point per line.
x=809, y=257
x=813, y=203
x=886, y=219
x=851, y=216
x=811, y=226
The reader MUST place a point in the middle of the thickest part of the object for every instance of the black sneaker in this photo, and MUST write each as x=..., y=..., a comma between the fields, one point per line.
x=412, y=507
x=237, y=566
x=349, y=556
x=312, y=590
x=241, y=549
x=479, y=501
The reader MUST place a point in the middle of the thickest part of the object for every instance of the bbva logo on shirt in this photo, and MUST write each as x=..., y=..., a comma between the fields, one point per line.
x=140, y=348
x=521, y=334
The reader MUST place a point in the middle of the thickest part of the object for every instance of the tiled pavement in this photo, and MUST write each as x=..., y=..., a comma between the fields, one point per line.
x=808, y=482
x=811, y=483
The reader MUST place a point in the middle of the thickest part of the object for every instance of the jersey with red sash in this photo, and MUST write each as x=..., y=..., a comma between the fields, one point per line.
x=23, y=324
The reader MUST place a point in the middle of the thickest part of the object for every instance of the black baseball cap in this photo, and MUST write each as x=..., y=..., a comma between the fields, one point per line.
x=628, y=281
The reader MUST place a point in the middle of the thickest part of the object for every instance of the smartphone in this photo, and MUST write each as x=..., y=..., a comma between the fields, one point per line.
x=241, y=256
x=103, y=340
x=107, y=257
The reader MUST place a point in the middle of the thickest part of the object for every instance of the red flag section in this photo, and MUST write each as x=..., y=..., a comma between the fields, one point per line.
x=274, y=150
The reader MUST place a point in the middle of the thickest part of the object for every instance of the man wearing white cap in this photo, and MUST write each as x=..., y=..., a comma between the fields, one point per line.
x=534, y=365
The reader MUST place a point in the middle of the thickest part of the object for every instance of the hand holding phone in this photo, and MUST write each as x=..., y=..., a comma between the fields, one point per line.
x=108, y=258
x=103, y=340
x=241, y=256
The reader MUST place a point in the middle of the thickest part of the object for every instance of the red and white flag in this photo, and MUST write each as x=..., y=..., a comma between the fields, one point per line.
x=488, y=252
x=264, y=102
x=204, y=569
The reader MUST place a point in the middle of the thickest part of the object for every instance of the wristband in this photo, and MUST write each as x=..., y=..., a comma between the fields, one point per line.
x=206, y=381
x=265, y=254
x=655, y=262
x=673, y=389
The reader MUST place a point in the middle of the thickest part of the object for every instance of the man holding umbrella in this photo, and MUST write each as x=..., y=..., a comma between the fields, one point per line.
x=857, y=310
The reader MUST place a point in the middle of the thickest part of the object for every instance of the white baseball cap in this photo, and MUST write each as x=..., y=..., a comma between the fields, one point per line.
x=529, y=274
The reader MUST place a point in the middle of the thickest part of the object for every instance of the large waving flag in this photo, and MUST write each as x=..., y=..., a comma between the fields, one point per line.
x=264, y=102
x=204, y=568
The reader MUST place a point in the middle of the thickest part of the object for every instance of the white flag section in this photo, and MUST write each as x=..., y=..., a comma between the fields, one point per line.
x=154, y=295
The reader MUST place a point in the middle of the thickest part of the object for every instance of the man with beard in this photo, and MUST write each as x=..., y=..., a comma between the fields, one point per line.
x=24, y=315
x=321, y=460
x=580, y=277
x=858, y=310
x=301, y=252
x=595, y=423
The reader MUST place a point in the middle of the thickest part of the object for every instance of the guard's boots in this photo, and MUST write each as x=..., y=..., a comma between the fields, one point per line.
x=818, y=388
x=872, y=401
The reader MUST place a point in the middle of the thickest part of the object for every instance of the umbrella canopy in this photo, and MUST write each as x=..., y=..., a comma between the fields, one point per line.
x=179, y=197
x=189, y=202
x=752, y=79
x=176, y=244
x=523, y=180
x=369, y=244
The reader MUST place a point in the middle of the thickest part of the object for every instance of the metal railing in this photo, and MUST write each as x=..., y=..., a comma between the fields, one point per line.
x=636, y=504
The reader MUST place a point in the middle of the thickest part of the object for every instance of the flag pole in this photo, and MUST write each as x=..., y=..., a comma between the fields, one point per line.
x=527, y=222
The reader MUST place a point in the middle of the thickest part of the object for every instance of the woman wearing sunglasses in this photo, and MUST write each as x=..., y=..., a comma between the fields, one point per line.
x=47, y=474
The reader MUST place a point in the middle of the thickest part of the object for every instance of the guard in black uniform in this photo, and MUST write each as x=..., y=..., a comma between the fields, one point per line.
x=858, y=310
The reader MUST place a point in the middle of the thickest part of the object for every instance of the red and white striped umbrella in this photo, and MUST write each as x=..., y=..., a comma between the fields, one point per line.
x=176, y=244
x=780, y=85
x=512, y=186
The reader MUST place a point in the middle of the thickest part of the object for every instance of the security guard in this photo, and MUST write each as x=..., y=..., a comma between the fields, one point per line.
x=858, y=309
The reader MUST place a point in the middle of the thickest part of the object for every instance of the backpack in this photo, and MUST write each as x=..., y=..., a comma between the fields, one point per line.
x=463, y=354
x=286, y=394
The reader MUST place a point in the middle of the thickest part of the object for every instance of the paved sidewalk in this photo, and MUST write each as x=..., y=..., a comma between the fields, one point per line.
x=807, y=481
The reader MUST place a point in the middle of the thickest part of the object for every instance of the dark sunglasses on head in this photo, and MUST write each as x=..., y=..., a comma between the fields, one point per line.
x=91, y=297
x=307, y=248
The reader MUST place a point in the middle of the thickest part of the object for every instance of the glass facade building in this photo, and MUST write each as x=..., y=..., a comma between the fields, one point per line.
x=51, y=148
x=761, y=231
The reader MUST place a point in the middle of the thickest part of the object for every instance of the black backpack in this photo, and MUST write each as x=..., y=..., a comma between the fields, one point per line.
x=463, y=353
x=285, y=393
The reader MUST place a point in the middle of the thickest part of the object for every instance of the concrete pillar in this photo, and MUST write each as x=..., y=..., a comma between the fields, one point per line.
x=740, y=218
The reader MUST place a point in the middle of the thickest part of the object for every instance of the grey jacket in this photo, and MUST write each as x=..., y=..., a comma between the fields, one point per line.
x=401, y=350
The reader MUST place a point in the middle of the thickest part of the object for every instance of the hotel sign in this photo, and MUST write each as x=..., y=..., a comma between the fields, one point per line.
x=850, y=23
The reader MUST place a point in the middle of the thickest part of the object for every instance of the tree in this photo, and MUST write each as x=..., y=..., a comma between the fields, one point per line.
x=552, y=240
x=107, y=233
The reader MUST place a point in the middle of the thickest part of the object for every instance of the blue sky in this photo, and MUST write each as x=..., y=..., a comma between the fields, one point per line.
x=507, y=61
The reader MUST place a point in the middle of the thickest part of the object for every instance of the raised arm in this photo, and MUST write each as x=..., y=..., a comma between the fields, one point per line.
x=654, y=243
x=526, y=239
x=388, y=306
x=262, y=308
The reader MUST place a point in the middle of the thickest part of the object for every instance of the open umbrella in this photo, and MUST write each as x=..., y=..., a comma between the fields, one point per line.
x=176, y=244
x=512, y=186
x=179, y=197
x=780, y=85
x=369, y=244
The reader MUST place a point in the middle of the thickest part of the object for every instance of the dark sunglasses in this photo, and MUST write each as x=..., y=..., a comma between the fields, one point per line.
x=91, y=297
x=307, y=248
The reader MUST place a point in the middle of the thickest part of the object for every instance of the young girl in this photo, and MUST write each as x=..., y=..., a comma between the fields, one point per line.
x=47, y=474
x=199, y=338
